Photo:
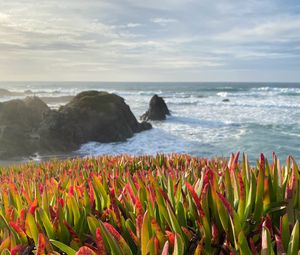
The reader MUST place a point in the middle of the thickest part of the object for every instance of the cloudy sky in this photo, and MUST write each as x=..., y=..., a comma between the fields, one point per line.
x=150, y=40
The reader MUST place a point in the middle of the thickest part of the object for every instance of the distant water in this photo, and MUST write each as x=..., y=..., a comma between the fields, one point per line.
x=259, y=117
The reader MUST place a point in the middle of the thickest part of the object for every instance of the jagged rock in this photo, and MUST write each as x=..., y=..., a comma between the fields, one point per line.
x=89, y=116
x=29, y=126
x=157, y=109
x=19, y=120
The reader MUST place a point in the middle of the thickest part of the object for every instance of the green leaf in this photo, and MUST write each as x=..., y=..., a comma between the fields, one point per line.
x=31, y=228
x=228, y=187
x=296, y=190
x=110, y=242
x=99, y=190
x=259, y=195
x=158, y=232
x=181, y=215
x=285, y=231
x=151, y=247
x=75, y=210
x=223, y=214
x=4, y=220
x=243, y=244
x=5, y=243
x=63, y=247
x=5, y=252
x=171, y=191
x=294, y=242
x=46, y=223
x=250, y=197
x=178, y=245
x=174, y=222
x=163, y=213
x=145, y=234
x=93, y=224
x=266, y=243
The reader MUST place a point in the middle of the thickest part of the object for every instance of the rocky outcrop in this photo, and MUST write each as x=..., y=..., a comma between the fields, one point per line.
x=19, y=121
x=29, y=126
x=90, y=116
x=158, y=109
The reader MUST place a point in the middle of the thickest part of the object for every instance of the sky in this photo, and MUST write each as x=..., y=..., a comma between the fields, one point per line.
x=150, y=40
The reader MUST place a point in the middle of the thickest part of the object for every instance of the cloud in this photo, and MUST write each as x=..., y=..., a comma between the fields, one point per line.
x=133, y=25
x=132, y=39
x=163, y=21
x=276, y=30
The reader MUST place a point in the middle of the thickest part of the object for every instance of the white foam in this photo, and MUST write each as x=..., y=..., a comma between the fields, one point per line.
x=222, y=94
x=201, y=124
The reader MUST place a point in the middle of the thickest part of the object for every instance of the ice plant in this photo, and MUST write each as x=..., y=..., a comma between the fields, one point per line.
x=173, y=204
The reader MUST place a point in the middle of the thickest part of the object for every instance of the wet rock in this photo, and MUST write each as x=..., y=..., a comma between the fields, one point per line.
x=29, y=126
x=158, y=109
x=89, y=116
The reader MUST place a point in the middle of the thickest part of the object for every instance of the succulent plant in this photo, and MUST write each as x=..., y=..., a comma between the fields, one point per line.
x=173, y=204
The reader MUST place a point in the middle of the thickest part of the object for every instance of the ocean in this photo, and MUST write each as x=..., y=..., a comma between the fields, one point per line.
x=259, y=117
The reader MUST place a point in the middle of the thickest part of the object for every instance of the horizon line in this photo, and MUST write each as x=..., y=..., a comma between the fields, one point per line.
x=95, y=81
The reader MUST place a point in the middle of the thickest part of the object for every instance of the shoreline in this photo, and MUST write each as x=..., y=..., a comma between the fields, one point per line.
x=203, y=125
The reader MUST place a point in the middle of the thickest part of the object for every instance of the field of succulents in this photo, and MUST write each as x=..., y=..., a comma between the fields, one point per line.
x=173, y=204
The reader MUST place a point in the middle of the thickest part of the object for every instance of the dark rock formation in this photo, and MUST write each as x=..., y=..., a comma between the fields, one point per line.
x=19, y=120
x=37, y=109
x=157, y=109
x=29, y=126
x=90, y=116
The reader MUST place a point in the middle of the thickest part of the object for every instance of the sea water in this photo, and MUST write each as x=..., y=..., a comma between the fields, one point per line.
x=259, y=117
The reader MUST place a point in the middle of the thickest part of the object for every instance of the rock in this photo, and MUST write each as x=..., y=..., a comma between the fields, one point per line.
x=25, y=113
x=29, y=126
x=226, y=100
x=37, y=108
x=157, y=109
x=144, y=126
x=89, y=116
x=19, y=121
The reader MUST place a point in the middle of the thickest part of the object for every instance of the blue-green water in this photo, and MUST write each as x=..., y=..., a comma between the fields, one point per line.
x=259, y=117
